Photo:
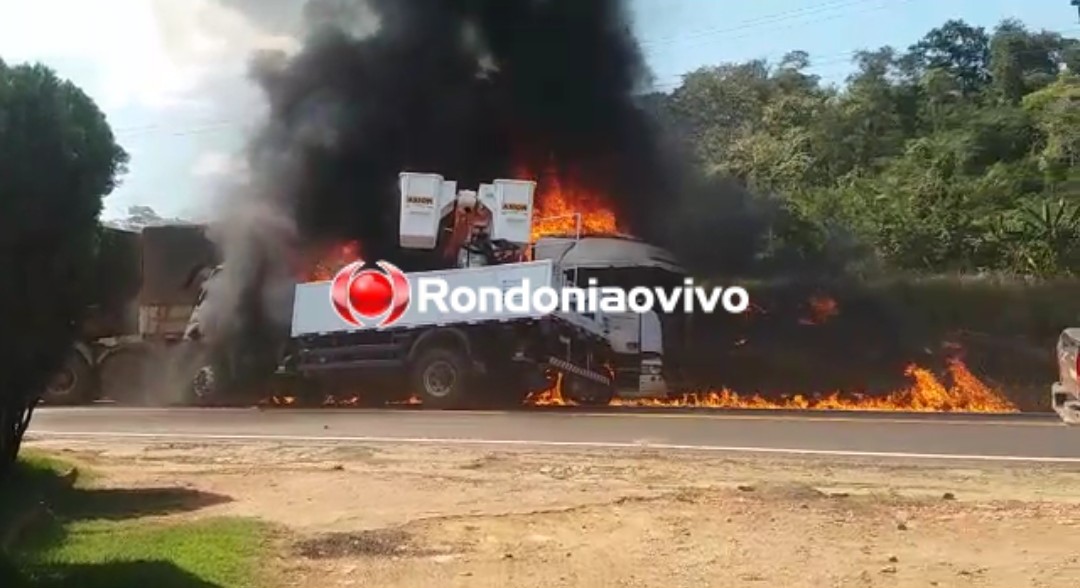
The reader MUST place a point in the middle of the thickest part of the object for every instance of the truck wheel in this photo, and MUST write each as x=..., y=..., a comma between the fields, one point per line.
x=440, y=378
x=203, y=387
x=73, y=384
x=586, y=392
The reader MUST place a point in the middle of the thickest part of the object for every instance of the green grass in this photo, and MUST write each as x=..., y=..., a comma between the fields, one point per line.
x=211, y=552
x=114, y=538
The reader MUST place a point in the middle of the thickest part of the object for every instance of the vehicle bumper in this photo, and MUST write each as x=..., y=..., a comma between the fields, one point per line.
x=1066, y=403
x=649, y=383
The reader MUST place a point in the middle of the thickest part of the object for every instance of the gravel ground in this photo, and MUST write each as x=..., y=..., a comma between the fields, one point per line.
x=419, y=516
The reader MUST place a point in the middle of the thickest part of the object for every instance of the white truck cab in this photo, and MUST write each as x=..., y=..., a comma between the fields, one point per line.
x=638, y=340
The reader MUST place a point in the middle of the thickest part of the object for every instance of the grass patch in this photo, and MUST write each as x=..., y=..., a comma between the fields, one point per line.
x=212, y=552
x=61, y=530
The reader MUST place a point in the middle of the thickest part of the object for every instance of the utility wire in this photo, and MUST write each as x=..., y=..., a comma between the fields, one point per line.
x=670, y=83
x=753, y=23
x=844, y=58
x=886, y=4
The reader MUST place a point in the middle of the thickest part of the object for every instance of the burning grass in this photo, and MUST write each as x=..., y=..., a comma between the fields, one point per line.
x=562, y=209
x=927, y=393
x=960, y=391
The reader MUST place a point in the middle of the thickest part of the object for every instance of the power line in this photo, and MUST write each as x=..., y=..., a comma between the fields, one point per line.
x=847, y=56
x=886, y=4
x=778, y=17
x=154, y=128
x=754, y=22
x=674, y=82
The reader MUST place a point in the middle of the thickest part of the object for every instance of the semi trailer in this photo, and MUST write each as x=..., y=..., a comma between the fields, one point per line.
x=146, y=285
x=494, y=356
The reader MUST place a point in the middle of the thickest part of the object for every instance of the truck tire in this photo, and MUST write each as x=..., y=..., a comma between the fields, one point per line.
x=73, y=384
x=203, y=388
x=585, y=392
x=440, y=378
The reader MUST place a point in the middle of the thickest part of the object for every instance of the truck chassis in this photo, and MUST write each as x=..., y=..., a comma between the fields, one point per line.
x=493, y=363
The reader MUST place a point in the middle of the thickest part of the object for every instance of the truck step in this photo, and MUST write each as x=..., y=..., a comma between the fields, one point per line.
x=568, y=367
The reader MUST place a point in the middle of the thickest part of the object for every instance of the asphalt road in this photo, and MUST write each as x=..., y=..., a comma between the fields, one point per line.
x=1009, y=438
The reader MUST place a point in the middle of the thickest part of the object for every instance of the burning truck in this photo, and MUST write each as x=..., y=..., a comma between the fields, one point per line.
x=486, y=236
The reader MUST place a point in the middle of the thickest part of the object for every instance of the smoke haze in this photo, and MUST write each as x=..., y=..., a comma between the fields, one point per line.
x=471, y=89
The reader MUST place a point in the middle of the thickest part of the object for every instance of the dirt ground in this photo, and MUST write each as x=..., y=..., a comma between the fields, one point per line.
x=422, y=516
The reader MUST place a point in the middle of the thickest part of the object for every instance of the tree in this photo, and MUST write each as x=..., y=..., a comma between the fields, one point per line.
x=1056, y=109
x=960, y=154
x=58, y=158
x=959, y=50
x=1022, y=62
x=140, y=217
x=714, y=104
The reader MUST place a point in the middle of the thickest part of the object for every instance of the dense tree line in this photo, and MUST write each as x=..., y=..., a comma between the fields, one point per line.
x=960, y=153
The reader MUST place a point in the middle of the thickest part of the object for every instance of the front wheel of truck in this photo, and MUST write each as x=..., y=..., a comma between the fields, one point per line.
x=440, y=377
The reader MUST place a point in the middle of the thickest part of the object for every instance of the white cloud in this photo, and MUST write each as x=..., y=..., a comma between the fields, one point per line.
x=155, y=54
x=217, y=164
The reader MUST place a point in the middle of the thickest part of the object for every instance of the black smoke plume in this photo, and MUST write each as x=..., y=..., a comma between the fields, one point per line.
x=471, y=89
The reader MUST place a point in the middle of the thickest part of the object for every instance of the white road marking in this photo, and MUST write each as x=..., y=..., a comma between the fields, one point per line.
x=808, y=416
x=574, y=444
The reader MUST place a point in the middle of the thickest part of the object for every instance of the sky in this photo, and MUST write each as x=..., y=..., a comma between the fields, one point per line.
x=170, y=74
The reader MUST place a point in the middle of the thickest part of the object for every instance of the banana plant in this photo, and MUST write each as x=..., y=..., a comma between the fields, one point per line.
x=1052, y=222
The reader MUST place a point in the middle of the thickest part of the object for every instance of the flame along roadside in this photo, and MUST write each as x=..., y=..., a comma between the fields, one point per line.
x=557, y=207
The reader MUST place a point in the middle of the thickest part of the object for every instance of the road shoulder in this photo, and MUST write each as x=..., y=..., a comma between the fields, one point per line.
x=418, y=515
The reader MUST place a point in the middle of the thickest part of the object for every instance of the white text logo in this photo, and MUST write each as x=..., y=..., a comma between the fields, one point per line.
x=435, y=293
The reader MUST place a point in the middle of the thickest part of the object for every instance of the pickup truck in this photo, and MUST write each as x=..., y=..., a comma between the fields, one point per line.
x=1065, y=393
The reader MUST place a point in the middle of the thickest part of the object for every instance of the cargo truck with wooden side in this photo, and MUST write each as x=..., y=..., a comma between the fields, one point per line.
x=145, y=288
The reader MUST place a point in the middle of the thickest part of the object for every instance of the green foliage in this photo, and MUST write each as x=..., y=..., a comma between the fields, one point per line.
x=58, y=158
x=66, y=530
x=961, y=153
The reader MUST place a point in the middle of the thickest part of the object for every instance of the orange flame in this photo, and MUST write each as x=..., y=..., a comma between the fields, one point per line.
x=822, y=309
x=558, y=204
x=328, y=262
x=926, y=394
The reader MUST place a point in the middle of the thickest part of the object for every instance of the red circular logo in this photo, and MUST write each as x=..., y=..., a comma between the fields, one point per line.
x=364, y=292
x=371, y=293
